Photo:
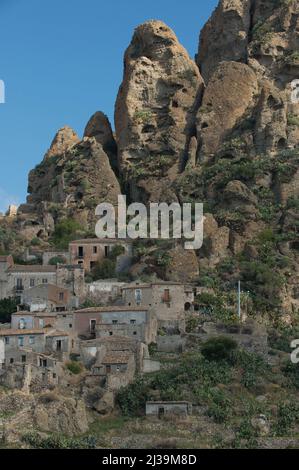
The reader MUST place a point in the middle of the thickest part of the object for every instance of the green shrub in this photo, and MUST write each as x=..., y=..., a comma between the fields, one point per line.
x=74, y=367
x=57, y=260
x=103, y=269
x=59, y=442
x=219, y=348
x=65, y=231
x=116, y=251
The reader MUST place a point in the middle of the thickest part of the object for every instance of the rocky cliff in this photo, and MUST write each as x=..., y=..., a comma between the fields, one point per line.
x=222, y=130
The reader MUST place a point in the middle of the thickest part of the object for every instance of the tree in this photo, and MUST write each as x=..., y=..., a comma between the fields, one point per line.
x=7, y=307
x=219, y=348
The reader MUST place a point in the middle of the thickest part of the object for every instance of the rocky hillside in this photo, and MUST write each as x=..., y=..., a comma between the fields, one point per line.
x=222, y=130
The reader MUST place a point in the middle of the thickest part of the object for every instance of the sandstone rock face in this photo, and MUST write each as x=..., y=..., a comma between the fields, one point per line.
x=70, y=184
x=154, y=108
x=228, y=95
x=225, y=36
x=66, y=416
x=99, y=127
x=183, y=266
x=65, y=138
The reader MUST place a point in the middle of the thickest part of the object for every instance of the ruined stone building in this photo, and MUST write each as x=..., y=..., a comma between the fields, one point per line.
x=88, y=252
x=48, y=298
x=15, y=279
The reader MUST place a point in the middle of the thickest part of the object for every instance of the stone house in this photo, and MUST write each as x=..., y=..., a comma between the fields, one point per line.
x=89, y=252
x=133, y=322
x=12, y=341
x=57, y=342
x=48, y=298
x=160, y=409
x=18, y=345
x=38, y=372
x=61, y=321
x=25, y=320
x=166, y=299
x=15, y=279
x=23, y=277
x=118, y=367
x=90, y=350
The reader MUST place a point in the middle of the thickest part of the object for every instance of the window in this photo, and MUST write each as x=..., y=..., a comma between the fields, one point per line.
x=11, y=360
x=54, y=375
x=166, y=296
x=41, y=323
x=58, y=345
x=111, y=333
x=32, y=282
x=31, y=340
x=106, y=251
x=114, y=322
x=135, y=333
x=21, y=341
x=108, y=369
x=6, y=340
x=22, y=324
x=138, y=296
x=61, y=295
x=23, y=358
x=80, y=251
x=133, y=322
x=45, y=281
x=95, y=250
x=19, y=284
x=93, y=325
x=70, y=325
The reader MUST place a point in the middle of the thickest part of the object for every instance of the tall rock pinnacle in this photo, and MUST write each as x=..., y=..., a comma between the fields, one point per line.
x=154, y=110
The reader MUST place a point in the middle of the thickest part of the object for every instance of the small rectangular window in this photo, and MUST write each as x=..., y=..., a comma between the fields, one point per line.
x=61, y=295
x=45, y=281
x=32, y=282
x=95, y=250
x=6, y=340
x=80, y=251
x=21, y=341
x=31, y=339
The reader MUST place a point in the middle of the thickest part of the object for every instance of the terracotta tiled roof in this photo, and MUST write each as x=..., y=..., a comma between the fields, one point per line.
x=116, y=308
x=11, y=332
x=32, y=269
x=35, y=314
x=116, y=357
x=94, y=241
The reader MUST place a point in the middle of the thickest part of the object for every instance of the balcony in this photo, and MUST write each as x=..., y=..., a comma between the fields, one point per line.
x=18, y=289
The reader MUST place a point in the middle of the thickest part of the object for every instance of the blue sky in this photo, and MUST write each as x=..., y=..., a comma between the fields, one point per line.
x=62, y=60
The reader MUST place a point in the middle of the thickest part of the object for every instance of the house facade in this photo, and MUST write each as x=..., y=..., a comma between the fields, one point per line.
x=88, y=252
x=166, y=299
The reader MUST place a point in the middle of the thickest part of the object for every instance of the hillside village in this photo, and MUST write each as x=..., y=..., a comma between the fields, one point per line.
x=114, y=343
x=80, y=360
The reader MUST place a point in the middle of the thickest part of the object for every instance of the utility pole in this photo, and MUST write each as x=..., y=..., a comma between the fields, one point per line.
x=239, y=300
